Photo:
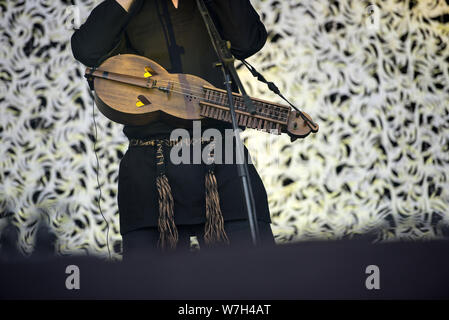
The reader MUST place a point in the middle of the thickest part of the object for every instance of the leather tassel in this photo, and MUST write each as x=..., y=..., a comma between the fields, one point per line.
x=168, y=233
x=214, y=232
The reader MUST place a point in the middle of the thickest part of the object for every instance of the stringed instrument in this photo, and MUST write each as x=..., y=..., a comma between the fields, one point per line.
x=134, y=90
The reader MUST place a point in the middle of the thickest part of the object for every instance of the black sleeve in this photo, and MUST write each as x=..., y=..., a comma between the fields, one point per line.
x=102, y=34
x=238, y=22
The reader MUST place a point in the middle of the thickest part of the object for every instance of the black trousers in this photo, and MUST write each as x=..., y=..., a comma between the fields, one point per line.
x=142, y=243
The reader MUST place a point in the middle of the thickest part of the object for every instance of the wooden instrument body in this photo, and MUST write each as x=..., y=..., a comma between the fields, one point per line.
x=117, y=100
x=134, y=90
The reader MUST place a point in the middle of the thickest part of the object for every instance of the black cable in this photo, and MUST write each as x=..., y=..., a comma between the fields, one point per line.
x=98, y=179
x=275, y=89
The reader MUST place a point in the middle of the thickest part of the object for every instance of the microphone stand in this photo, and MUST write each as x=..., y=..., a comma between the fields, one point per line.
x=226, y=62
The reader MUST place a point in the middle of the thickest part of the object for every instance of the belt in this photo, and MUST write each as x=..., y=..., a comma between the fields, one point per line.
x=166, y=142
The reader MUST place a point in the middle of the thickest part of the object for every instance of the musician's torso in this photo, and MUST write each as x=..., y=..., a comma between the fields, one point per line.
x=175, y=38
x=178, y=40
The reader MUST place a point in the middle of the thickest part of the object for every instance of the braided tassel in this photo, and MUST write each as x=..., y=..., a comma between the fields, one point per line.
x=168, y=233
x=214, y=229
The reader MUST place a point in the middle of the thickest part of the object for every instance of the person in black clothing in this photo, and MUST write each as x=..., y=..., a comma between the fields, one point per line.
x=174, y=35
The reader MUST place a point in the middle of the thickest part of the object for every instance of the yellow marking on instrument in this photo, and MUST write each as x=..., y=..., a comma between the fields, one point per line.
x=139, y=103
x=149, y=72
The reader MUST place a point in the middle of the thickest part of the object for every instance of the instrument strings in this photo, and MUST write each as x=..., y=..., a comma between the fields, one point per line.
x=186, y=91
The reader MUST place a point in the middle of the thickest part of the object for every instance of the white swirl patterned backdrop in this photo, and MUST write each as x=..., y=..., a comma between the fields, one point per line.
x=374, y=75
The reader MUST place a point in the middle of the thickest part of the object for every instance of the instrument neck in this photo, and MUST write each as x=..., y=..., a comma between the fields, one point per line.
x=267, y=110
